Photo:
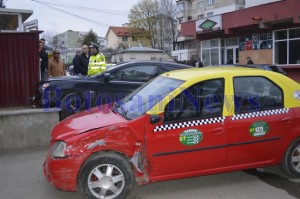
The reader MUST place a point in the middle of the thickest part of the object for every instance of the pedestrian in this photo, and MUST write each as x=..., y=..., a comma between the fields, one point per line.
x=249, y=61
x=97, y=62
x=230, y=60
x=83, y=61
x=43, y=60
x=192, y=62
x=75, y=62
x=56, y=67
x=199, y=63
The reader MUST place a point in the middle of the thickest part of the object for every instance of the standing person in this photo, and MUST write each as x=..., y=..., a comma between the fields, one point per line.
x=75, y=62
x=249, y=61
x=56, y=67
x=230, y=60
x=192, y=62
x=83, y=61
x=97, y=60
x=199, y=63
x=43, y=60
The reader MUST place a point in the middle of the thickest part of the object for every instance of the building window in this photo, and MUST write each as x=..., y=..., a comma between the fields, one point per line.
x=181, y=46
x=201, y=16
x=200, y=5
x=124, y=38
x=287, y=46
x=210, y=2
x=232, y=41
x=209, y=14
x=180, y=20
x=210, y=52
x=180, y=7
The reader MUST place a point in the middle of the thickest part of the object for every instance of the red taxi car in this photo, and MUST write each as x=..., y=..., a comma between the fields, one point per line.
x=181, y=124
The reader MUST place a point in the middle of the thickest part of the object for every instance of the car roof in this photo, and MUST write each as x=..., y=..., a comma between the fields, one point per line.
x=123, y=64
x=270, y=67
x=188, y=74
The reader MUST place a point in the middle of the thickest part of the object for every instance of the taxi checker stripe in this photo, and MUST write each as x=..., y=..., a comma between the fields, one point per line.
x=261, y=113
x=189, y=124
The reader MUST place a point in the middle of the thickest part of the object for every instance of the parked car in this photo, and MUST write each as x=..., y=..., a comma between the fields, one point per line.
x=269, y=67
x=75, y=93
x=181, y=124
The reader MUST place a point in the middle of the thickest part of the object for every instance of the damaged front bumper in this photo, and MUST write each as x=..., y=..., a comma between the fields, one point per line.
x=62, y=173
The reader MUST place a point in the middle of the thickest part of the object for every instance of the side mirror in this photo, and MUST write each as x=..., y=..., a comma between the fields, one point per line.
x=106, y=77
x=154, y=119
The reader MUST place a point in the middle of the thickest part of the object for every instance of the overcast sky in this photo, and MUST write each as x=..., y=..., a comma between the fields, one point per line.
x=104, y=12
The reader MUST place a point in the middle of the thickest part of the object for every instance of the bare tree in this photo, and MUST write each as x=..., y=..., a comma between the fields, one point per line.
x=143, y=15
x=49, y=36
x=168, y=11
x=2, y=3
x=157, y=19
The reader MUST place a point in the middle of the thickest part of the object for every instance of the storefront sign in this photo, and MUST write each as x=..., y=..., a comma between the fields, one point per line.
x=209, y=24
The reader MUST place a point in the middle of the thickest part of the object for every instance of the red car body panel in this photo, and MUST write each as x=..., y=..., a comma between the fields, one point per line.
x=87, y=132
x=166, y=159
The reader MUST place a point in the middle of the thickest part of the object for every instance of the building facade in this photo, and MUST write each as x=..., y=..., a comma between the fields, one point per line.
x=192, y=10
x=69, y=39
x=120, y=38
x=269, y=34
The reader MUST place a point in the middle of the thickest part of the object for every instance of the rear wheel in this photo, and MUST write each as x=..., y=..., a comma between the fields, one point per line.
x=107, y=176
x=291, y=161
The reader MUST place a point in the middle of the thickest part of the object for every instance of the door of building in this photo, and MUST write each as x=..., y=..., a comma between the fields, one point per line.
x=231, y=55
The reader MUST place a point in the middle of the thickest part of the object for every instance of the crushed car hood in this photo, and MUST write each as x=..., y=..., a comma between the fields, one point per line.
x=85, y=121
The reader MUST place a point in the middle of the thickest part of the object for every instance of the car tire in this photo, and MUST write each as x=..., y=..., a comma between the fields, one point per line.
x=108, y=174
x=69, y=107
x=291, y=161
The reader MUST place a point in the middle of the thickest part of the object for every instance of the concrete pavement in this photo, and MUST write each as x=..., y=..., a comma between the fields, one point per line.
x=22, y=178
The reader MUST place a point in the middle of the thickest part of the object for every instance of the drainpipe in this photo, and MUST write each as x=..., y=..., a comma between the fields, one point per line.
x=20, y=24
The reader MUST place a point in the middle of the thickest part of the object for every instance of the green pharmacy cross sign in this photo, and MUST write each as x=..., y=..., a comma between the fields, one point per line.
x=208, y=24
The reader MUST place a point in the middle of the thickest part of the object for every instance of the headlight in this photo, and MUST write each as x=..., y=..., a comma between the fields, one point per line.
x=58, y=149
x=45, y=86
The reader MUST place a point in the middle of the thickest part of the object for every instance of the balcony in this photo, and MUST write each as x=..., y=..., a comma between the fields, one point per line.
x=182, y=38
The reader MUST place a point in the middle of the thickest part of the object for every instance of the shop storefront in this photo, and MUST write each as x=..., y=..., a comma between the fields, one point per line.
x=267, y=33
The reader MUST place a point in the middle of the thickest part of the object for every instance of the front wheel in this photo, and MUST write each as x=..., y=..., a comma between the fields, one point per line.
x=107, y=176
x=291, y=161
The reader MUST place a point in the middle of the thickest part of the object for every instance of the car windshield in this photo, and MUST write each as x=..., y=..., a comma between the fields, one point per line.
x=144, y=98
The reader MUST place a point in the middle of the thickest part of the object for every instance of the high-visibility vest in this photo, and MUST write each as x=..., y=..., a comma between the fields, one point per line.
x=97, y=64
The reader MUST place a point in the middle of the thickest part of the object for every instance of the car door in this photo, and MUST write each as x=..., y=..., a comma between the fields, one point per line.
x=125, y=80
x=193, y=135
x=260, y=121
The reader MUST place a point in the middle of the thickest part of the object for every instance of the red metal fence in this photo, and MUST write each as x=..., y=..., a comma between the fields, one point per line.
x=19, y=68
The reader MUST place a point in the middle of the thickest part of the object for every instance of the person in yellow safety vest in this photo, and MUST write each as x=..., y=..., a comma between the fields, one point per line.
x=97, y=62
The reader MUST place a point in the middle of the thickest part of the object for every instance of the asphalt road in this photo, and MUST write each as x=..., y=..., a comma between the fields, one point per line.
x=22, y=178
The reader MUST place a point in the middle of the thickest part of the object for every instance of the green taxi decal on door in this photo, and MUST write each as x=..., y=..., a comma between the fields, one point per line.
x=191, y=137
x=259, y=129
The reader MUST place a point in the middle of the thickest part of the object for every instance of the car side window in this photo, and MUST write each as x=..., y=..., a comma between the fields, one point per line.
x=256, y=94
x=134, y=74
x=202, y=100
x=167, y=68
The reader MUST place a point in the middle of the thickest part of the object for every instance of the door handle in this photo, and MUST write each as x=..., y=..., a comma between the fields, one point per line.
x=218, y=130
x=286, y=119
